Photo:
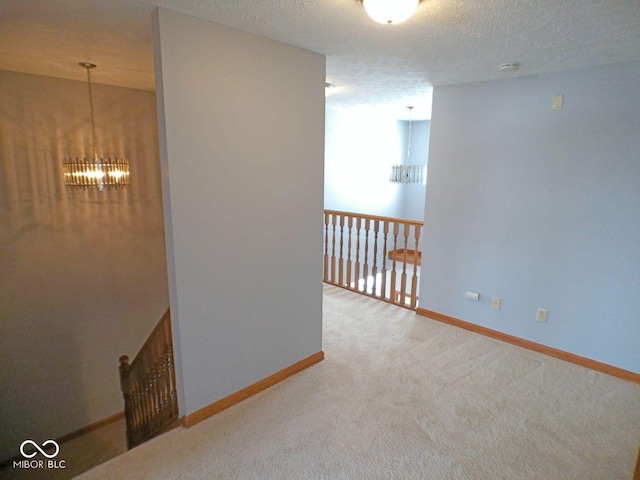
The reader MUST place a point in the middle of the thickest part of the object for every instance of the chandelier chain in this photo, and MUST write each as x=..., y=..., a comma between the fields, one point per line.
x=409, y=137
x=93, y=122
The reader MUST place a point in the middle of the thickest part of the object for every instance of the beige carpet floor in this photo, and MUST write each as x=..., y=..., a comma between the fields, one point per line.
x=402, y=396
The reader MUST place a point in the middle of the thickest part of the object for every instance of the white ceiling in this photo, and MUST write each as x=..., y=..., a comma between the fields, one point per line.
x=445, y=42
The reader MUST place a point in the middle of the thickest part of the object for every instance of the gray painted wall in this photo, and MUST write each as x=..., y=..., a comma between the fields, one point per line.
x=82, y=274
x=242, y=128
x=539, y=207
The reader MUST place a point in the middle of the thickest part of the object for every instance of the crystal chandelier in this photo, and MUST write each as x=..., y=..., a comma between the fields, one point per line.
x=407, y=173
x=95, y=172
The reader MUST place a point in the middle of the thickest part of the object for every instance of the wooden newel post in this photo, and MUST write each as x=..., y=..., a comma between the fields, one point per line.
x=124, y=365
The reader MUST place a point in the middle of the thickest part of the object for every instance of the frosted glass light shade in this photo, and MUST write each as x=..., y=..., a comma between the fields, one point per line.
x=390, y=11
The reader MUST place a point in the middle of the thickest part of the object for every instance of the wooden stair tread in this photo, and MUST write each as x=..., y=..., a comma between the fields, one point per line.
x=406, y=255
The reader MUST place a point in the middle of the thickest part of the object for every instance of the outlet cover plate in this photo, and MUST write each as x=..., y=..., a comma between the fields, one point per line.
x=541, y=315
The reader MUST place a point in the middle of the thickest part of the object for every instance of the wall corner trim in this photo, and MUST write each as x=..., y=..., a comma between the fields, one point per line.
x=260, y=385
x=536, y=347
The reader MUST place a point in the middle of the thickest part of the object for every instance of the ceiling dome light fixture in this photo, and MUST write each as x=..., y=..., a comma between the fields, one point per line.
x=94, y=172
x=389, y=12
x=328, y=87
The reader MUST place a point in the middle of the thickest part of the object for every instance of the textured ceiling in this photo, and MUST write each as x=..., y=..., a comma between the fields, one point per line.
x=392, y=66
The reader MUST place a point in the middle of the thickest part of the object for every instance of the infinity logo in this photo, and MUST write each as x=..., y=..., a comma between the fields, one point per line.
x=38, y=448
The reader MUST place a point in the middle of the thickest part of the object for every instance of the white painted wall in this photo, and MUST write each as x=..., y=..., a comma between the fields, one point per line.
x=539, y=207
x=242, y=127
x=360, y=147
x=413, y=195
x=82, y=274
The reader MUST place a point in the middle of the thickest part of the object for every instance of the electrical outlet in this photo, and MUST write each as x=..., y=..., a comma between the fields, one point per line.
x=541, y=316
x=495, y=303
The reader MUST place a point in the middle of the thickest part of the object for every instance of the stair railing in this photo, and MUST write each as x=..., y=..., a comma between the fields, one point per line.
x=149, y=386
x=373, y=255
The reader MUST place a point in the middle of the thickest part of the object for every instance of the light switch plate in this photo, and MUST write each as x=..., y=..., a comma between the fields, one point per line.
x=556, y=102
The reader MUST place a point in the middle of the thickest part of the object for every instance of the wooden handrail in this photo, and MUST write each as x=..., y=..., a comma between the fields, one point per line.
x=148, y=386
x=376, y=256
x=419, y=223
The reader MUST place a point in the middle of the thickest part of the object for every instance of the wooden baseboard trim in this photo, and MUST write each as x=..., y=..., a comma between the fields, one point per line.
x=224, y=403
x=536, y=347
x=75, y=434
x=90, y=428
